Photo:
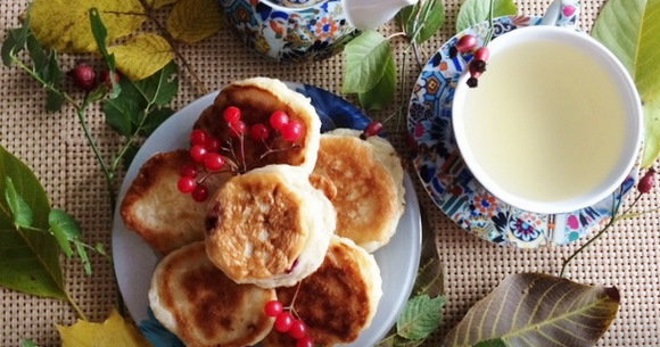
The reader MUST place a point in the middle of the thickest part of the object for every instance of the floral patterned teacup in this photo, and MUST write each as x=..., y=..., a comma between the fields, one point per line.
x=291, y=30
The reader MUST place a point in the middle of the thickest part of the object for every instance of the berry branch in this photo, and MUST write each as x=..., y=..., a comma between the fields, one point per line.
x=645, y=186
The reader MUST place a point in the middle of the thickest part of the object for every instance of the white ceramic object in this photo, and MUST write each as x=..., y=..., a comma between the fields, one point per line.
x=621, y=81
x=370, y=14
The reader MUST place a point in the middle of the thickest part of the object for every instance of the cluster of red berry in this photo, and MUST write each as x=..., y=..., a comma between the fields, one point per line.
x=286, y=323
x=373, y=129
x=477, y=66
x=207, y=151
x=84, y=77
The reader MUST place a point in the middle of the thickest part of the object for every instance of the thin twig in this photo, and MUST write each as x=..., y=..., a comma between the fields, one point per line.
x=199, y=84
x=616, y=205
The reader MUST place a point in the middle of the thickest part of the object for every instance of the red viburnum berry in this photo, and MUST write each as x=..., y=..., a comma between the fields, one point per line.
x=232, y=114
x=200, y=193
x=647, y=182
x=373, y=129
x=273, y=308
x=466, y=43
x=84, y=77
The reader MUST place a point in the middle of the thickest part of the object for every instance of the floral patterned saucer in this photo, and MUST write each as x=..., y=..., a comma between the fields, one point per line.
x=450, y=183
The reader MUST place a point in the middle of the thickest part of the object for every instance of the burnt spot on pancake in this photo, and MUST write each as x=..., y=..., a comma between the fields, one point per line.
x=333, y=302
x=207, y=307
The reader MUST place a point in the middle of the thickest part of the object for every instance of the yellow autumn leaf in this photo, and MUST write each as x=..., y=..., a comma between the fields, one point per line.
x=160, y=3
x=142, y=56
x=194, y=20
x=111, y=333
x=64, y=24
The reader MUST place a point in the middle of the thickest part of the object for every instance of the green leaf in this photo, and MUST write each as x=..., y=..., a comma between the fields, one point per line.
x=130, y=154
x=155, y=119
x=64, y=228
x=100, y=249
x=29, y=259
x=53, y=73
x=421, y=316
x=631, y=30
x=122, y=112
x=383, y=92
x=126, y=112
x=100, y=34
x=28, y=343
x=532, y=309
x=366, y=58
x=406, y=19
x=491, y=343
x=14, y=43
x=21, y=211
x=476, y=11
x=84, y=258
x=161, y=87
x=430, y=20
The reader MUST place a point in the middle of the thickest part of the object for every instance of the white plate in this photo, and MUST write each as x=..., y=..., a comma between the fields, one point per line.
x=134, y=260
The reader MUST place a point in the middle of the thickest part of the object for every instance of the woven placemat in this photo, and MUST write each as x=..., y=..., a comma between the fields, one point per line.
x=53, y=145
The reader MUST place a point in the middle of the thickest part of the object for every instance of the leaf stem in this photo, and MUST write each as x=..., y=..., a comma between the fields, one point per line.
x=109, y=175
x=76, y=307
x=43, y=83
x=491, y=16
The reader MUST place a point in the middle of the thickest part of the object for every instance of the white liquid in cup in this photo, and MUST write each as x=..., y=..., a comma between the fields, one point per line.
x=553, y=125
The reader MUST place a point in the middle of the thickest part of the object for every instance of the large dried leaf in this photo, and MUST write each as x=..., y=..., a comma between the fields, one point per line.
x=142, y=56
x=29, y=259
x=111, y=333
x=64, y=24
x=532, y=309
x=631, y=30
x=194, y=20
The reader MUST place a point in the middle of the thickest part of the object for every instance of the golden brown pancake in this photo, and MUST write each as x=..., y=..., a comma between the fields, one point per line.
x=336, y=302
x=258, y=98
x=198, y=303
x=368, y=177
x=154, y=208
x=269, y=227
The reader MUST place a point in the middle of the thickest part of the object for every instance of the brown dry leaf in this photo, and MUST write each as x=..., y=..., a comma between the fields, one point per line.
x=142, y=56
x=194, y=20
x=111, y=333
x=533, y=309
x=64, y=24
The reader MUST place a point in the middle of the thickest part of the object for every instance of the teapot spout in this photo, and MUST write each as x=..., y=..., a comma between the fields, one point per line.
x=370, y=14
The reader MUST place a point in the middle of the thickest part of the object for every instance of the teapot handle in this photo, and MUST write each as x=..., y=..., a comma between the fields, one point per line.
x=562, y=13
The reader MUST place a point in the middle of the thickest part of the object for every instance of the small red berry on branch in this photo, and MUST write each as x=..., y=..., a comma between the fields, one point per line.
x=84, y=77
x=373, y=129
x=466, y=43
x=647, y=182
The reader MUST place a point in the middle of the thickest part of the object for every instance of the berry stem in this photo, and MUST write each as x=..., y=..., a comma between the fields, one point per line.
x=491, y=20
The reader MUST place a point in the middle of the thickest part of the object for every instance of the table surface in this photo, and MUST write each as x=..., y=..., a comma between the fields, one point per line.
x=53, y=145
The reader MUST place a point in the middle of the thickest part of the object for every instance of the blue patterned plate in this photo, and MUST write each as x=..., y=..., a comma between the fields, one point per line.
x=134, y=261
x=452, y=186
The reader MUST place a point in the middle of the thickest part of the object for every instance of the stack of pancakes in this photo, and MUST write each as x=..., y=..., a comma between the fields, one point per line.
x=302, y=221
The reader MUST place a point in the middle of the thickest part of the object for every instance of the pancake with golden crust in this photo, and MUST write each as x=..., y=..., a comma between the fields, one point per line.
x=258, y=98
x=368, y=177
x=269, y=227
x=198, y=303
x=154, y=208
x=338, y=301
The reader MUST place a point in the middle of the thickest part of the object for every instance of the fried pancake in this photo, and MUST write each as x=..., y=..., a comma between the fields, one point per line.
x=269, y=227
x=154, y=208
x=198, y=303
x=258, y=98
x=336, y=302
x=368, y=177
